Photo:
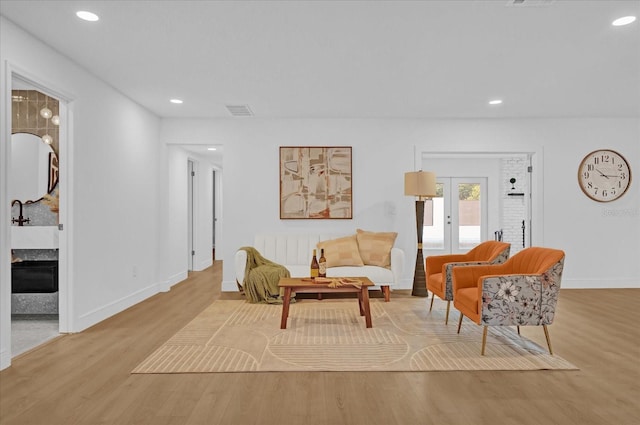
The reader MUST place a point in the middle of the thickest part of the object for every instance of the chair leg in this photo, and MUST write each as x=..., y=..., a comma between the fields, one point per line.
x=431, y=306
x=484, y=338
x=518, y=327
x=460, y=322
x=546, y=334
x=446, y=318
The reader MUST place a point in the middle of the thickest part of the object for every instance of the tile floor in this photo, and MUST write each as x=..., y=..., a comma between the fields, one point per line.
x=30, y=330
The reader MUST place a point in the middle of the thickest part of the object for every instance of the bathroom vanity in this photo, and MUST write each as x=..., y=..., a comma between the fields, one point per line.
x=33, y=277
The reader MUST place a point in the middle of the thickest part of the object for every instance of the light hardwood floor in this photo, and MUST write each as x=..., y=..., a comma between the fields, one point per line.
x=85, y=378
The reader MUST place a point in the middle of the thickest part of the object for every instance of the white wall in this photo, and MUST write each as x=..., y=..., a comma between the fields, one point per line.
x=174, y=208
x=602, y=241
x=113, y=192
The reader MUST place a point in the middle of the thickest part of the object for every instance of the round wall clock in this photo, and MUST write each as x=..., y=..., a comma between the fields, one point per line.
x=604, y=175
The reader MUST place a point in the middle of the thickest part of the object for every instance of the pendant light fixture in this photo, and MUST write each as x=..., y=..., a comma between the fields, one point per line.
x=46, y=113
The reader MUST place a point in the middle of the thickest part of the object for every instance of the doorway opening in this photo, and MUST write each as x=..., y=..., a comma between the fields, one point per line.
x=191, y=250
x=37, y=181
x=213, y=217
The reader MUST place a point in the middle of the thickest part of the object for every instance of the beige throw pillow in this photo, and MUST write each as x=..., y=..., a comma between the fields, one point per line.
x=341, y=252
x=375, y=247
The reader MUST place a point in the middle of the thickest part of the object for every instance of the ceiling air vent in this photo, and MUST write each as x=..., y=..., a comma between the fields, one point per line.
x=240, y=110
x=529, y=3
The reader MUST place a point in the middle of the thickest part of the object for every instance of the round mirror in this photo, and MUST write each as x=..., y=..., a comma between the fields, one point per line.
x=34, y=168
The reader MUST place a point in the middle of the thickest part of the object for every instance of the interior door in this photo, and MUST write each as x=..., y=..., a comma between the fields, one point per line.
x=190, y=214
x=213, y=212
x=456, y=220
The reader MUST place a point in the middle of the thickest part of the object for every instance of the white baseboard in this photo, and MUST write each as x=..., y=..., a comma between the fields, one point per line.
x=204, y=265
x=406, y=284
x=101, y=313
x=166, y=285
x=5, y=359
x=600, y=283
x=229, y=286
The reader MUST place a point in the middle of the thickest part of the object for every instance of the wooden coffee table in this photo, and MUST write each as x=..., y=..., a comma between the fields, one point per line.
x=306, y=286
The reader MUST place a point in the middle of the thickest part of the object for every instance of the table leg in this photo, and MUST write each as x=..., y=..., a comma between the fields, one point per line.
x=285, y=307
x=360, y=303
x=367, y=309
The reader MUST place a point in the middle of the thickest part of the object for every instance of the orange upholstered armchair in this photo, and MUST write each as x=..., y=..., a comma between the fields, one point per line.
x=438, y=267
x=522, y=291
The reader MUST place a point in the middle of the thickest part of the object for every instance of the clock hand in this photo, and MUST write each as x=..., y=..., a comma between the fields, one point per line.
x=602, y=174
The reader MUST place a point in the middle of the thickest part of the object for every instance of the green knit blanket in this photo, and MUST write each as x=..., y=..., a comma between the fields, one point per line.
x=261, y=278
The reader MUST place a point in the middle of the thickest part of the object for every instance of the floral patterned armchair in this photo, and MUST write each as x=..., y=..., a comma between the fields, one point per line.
x=438, y=267
x=521, y=292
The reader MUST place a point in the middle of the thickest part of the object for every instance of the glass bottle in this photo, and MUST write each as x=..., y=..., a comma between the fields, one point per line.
x=322, y=265
x=315, y=267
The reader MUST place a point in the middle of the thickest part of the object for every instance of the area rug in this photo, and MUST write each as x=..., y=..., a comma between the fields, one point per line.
x=330, y=335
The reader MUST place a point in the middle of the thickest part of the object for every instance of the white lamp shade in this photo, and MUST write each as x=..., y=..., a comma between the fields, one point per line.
x=420, y=183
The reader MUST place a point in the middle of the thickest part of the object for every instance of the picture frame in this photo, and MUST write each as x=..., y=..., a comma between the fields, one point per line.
x=316, y=182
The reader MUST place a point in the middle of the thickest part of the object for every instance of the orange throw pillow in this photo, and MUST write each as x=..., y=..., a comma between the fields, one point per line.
x=341, y=252
x=375, y=247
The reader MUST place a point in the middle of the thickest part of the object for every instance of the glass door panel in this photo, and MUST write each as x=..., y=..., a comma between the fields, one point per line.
x=456, y=220
x=433, y=236
x=469, y=213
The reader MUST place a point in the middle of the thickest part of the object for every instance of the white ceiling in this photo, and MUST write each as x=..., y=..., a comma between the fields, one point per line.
x=354, y=59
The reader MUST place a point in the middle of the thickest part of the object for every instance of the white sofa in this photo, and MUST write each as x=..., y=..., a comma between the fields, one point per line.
x=294, y=251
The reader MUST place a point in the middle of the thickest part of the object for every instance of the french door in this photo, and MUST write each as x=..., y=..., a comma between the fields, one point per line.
x=456, y=220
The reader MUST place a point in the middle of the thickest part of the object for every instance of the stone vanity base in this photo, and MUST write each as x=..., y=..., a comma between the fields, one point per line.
x=34, y=303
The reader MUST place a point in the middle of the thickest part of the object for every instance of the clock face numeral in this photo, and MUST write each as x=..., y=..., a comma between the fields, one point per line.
x=604, y=175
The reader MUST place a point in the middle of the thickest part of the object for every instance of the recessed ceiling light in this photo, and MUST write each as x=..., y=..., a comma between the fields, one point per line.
x=212, y=149
x=87, y=16
x=625, y=20
x=495, y=102
x=177, y=101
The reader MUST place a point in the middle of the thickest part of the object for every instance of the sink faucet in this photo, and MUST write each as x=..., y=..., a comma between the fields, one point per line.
x=20, y=220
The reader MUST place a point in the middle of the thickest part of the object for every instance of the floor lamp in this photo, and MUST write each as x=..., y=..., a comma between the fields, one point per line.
x=422, y=185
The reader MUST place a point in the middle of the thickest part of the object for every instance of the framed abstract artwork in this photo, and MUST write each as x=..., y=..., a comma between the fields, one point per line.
x=315, y=182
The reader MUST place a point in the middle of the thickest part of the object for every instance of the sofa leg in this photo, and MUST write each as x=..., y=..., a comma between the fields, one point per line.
x=484, y=338
x=546, y=335
x=386, y=292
